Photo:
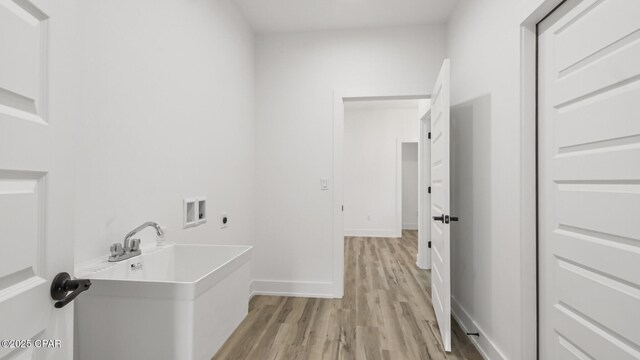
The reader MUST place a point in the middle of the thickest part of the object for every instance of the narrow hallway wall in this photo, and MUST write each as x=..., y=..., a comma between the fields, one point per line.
x=483, y=41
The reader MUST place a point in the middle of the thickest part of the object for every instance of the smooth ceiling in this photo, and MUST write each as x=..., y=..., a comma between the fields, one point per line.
x=307, y=15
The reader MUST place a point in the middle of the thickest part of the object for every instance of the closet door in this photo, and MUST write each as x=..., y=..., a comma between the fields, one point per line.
x=589, y=181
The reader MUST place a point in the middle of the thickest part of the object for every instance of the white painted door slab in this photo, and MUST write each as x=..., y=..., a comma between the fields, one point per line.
x=34, y=201
x=589, y=181
x=440, y=205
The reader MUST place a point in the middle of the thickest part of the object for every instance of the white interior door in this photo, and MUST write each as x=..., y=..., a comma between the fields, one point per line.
x=440, y=205
x=35, y=218
x=589, y=181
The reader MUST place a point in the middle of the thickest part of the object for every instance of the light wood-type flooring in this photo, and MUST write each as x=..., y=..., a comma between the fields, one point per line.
x=386, y=313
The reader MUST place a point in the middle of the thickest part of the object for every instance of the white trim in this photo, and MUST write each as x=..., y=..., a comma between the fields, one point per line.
x=528, y=191
x=405, y=92
x=486, y=347
x=390, y=233
x=424, y=202
x=292, y=288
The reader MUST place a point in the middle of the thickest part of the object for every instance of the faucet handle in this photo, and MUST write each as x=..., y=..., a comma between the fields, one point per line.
x=116, y=249
x=135, y=244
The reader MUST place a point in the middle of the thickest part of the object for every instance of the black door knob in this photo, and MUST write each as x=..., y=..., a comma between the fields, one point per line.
x=439, y=218
x=64, y=289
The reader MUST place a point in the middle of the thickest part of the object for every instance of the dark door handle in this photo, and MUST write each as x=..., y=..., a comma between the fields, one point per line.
x=445, y=218
x=65, y=290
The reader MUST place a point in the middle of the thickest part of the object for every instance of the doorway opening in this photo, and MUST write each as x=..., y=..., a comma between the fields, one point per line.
x=341, y=98
x=409, y=186
x=372, y=280
x=387, y=172
x=380, y=148
x=381, y=174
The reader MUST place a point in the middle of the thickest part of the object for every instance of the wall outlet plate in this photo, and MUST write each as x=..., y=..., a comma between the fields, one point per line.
x=324, y=183
x=224, y=220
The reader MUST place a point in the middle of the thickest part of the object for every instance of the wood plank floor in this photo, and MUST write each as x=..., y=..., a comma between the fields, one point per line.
x=386, y=313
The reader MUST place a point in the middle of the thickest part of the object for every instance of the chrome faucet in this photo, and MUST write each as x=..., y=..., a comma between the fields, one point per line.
x=131, y=247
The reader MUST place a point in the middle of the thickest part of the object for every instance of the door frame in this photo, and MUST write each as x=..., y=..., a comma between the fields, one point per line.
x=531, y=16
x=408, y=92
x=423, y=260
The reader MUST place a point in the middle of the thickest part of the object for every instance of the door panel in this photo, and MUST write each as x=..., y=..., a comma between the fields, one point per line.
x=591, y=163
x=440, y=205
x=582, y=39
x=23, y=64
x=35, y=214
x=589, y=115
x=589, y=180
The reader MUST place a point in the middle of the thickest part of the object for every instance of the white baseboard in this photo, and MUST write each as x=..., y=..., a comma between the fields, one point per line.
x=373, y=233
x=409, y=226
x=483, y=343
x=292, y=288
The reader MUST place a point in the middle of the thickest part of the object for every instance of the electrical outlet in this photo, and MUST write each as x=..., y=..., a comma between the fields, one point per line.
x=224, y=220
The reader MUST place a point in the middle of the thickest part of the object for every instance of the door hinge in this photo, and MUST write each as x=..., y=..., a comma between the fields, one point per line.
x=429, y=244
x=429, y=189
x=429, y=135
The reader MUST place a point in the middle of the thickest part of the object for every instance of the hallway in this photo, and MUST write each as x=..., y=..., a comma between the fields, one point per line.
x=386, y=313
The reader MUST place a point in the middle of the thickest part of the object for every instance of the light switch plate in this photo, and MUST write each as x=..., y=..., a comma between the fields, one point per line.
x=324, y=183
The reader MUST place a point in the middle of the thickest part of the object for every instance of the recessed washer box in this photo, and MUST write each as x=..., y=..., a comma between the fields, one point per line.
x=195, y=211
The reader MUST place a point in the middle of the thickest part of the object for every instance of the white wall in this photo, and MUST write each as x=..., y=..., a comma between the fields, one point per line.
x=167, y=102
x=371, y=168
x=410, y=186
x=484, y=46
x=296, y=77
